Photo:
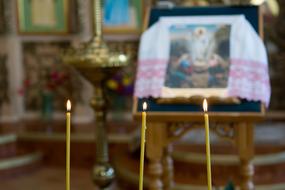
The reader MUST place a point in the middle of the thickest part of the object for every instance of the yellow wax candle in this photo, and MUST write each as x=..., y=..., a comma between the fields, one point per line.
x=142, y=145
x=67, y=175
x=207, y=137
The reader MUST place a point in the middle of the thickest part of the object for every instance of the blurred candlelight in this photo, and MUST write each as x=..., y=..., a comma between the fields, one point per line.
x=68, y=108
x=142, y=145
x=205, y=105
x=207, y=137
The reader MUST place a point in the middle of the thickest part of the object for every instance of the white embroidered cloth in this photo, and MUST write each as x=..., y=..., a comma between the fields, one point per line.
x=248, y=70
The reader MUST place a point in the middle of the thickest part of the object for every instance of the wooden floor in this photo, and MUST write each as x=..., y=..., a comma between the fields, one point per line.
x=270, y=138
x=49, y=179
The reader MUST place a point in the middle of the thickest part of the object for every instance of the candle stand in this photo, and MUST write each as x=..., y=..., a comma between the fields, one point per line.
x=97, y=63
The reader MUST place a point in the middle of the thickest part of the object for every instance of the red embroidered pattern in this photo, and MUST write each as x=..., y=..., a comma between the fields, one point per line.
x=249, y=80
x=150, y=77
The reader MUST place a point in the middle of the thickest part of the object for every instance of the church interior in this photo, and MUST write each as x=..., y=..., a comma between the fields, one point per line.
x=142, y=94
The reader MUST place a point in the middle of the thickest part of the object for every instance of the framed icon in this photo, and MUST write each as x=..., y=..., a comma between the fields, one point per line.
x=43, y=17
x=122, y=16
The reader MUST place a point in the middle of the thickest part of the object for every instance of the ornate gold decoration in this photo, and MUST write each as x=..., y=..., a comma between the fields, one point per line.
x=97, y=63
x=95, y=56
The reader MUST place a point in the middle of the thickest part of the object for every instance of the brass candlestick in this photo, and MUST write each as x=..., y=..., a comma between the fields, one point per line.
x=97, y=63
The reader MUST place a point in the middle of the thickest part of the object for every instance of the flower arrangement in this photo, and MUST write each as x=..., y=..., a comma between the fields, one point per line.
x=50, y=82
x=121, y=84
x=54, y=80
x=120, y=90
x=47, y=81
x=40, y=90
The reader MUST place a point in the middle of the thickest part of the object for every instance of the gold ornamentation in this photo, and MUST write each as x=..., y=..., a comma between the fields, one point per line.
x=97, y=63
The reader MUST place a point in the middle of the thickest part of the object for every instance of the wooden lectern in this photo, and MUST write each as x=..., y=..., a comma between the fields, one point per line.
x=166, y=120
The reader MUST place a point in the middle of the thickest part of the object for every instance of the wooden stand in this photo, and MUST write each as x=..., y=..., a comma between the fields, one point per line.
x=163, y=128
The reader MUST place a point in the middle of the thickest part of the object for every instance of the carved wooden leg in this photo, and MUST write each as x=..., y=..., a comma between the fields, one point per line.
x=155, y=138
x=167, y=162
x=245, y=137
x=155, y=173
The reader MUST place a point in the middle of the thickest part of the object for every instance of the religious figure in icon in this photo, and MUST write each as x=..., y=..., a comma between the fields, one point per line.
x=199, y=56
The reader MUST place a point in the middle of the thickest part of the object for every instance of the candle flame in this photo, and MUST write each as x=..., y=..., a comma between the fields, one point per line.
x=205, y=105
x=144, y=106
x=68, y=105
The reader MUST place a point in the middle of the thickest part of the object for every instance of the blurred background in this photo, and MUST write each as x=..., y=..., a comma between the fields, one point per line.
x=35, y=84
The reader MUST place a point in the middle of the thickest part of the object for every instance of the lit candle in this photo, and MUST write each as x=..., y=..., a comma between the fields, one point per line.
x=68, y=107
x=142, y=145
x=208, y=152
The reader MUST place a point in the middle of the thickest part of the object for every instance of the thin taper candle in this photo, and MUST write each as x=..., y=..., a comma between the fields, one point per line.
x=207, y=138
x=142, y=145
x=67, y=175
